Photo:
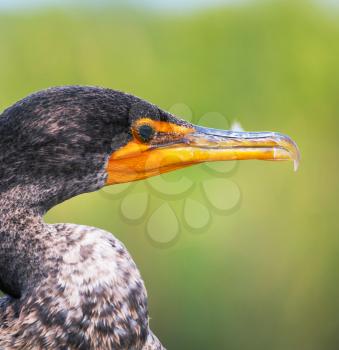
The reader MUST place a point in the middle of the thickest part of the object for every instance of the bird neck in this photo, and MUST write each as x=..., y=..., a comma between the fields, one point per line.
x=22, y=237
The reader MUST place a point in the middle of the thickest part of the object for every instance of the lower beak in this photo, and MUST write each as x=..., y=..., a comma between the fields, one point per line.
x=209, y=145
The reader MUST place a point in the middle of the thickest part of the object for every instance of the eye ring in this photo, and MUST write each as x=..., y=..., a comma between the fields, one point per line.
x=145, y=133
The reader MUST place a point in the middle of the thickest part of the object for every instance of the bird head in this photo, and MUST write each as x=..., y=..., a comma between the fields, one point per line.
x=71, y=140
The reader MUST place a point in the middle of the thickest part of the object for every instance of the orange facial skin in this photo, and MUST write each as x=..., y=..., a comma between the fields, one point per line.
x=174, y=146
x=165, y=127
x=138, y=160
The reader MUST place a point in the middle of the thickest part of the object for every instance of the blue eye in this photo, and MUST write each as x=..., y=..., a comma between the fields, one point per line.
x=145, y=133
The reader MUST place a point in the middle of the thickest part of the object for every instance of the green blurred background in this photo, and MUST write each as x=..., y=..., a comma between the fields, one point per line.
x=265, y=277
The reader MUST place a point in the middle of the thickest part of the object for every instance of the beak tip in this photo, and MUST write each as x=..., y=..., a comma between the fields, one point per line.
x=292, y=150
x=296, y=164
x=296, y=156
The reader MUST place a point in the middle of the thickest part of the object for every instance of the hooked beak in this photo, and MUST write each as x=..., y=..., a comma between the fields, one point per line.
x=189, y=144
x=215, y=145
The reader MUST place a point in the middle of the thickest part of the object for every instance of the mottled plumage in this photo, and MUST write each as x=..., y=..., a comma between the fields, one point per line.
x=75, y=287
x=67, y=286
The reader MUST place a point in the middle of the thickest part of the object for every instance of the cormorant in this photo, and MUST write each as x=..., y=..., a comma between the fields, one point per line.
x=75, y=287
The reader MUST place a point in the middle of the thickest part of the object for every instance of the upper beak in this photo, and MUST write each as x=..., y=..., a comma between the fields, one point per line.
x=214, y=144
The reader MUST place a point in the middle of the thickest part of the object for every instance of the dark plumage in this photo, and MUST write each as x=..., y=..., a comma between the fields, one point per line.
x=67, y=286
x=76, y=287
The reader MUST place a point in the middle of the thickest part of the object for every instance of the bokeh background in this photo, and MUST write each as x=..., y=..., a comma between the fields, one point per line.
x=265, y=276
